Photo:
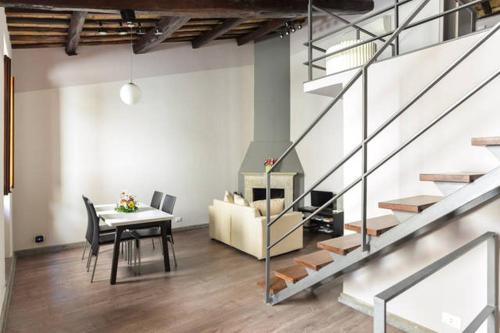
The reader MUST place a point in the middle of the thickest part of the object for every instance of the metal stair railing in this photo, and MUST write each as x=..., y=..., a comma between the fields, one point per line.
x=311, y=61
x=489, y=312
x=366, y=138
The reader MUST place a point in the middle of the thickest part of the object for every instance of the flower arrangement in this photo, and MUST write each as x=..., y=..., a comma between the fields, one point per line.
x=268, y=163
x=127, y=203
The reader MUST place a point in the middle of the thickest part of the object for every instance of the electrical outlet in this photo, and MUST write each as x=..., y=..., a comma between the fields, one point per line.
x=178, y=219
x=451, y=320
x=39, y=239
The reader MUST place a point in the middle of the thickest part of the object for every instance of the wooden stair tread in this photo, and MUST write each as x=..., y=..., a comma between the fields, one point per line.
x=460, y=177
x=375, y=226
x=277, y=284
x=341, y=245
x=315, y=260
x=414, y=204
x=292, y=273
x=486, y=141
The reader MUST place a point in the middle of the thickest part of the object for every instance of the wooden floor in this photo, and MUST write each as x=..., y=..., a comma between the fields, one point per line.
x=213, y=290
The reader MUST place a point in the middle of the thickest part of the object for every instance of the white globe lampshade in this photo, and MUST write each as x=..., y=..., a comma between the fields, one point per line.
x=130, y=93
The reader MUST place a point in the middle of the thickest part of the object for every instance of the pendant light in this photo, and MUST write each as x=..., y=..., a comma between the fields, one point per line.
x=130, y=93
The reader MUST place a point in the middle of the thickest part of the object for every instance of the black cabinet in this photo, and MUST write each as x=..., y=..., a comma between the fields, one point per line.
x=327, y=221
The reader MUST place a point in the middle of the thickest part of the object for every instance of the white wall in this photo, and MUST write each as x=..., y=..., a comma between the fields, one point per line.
x=186, y=137
x=459, y=289
x=5, y=234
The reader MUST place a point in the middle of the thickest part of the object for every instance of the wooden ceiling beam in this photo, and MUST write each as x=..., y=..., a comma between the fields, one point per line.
x=265, y=29
x=74, y=31
x=198, y=8
x=167, y=25
x=216, y=32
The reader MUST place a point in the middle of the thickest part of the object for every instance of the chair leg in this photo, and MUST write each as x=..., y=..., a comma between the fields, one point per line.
x=153, y=242
x=95, y=264
x=173, y=253
x=84, y=249
x=89, y=259
x=138, y=248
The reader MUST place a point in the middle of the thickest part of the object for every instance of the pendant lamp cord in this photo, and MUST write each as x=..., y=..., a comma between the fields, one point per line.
x=131, y=55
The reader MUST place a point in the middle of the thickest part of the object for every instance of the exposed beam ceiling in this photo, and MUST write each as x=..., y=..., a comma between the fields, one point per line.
x=198, y=8
x=217, y=32
x=267, y=28
x=167, y=26
x=74, y=31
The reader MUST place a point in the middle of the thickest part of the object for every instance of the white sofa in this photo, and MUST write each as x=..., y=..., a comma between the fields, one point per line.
x=244, y=228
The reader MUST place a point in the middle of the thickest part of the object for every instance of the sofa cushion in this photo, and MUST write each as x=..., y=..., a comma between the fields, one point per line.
x=239, y=200
x=277, y=206
x=228, y=197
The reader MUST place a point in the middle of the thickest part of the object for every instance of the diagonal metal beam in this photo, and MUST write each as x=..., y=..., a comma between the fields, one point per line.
x=75, y=29
x=217, y=32
x=267, y=28
x=166, y=26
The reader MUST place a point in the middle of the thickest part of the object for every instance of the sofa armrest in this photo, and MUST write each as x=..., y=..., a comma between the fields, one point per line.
x=286, y=223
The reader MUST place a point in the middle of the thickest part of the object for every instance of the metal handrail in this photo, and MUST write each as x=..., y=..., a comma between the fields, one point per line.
x=366, y=138
x=357, y=27
x=413, y=25
x=358, y=21
x=489, y=311
x=391, y=119
x=349, y=85
x=390, y=155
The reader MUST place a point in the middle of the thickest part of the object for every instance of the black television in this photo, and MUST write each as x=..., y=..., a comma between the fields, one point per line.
x=319, y=198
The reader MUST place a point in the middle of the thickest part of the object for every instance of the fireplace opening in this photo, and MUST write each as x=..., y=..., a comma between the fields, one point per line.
x=260, y=193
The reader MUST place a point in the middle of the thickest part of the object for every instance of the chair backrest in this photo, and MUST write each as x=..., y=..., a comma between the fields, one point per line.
x=95, y=228
x=156, y=200
x=168, y=204
x=88, y=234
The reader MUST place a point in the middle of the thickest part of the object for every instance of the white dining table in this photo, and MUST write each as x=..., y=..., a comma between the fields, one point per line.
x=144, y=217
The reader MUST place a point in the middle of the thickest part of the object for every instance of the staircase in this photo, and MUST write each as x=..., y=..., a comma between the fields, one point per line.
x=341, y=254
x=408, y=217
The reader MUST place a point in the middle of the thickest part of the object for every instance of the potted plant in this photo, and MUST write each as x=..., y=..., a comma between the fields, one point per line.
x=268, y=164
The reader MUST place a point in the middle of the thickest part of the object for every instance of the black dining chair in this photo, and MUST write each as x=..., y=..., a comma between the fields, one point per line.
x=156, y=199
x=88, y=233
x=156, y=203
x=167, y=207
x=99, y=238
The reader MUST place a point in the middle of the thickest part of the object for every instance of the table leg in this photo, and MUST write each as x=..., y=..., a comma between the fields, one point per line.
x=116, y=253
x=164, y=243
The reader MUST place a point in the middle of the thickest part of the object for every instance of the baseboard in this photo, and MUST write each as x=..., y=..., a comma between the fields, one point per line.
x=59, y=248
x=8, y=293
x=191, y=227
x=47, y=249
x=393, y=320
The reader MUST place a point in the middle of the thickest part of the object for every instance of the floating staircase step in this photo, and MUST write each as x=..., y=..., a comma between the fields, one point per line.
x=277, y=284
x=461, y=177
x=414, y=204
x=292, y=273
x=341, y=245
x=315, y=260
x=375, y=226
x=486, y=141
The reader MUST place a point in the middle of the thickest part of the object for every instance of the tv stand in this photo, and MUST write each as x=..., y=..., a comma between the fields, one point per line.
x=328, y=221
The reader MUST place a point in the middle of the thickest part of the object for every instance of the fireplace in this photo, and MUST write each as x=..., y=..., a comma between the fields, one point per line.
x=260, y=193
x=282, y=185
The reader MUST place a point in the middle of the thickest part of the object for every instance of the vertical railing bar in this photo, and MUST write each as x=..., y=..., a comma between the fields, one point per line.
x=310, y=37
x=364, y=156
x=268, y=236
x=396, y=25
x=379, y=315
x=492, y=286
